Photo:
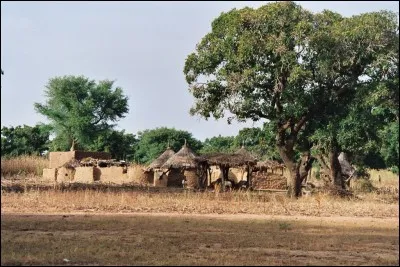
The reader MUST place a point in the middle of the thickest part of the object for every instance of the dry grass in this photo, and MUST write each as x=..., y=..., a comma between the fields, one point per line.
x=69, y=199
x=388, y=178
x=23, y=166
x=196, y=240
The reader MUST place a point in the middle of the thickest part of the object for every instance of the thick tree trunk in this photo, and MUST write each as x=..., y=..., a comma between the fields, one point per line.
x=293, y=182
x=298, y=171
x=335, y=169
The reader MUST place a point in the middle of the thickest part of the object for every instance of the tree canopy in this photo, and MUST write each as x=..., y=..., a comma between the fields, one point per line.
x=286, y=65
x=24, y=139
x=80, y=109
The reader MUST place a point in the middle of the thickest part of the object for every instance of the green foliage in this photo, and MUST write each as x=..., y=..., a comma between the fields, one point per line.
x=390, y=144
x=296, y=69
x=239, y=65
x=260, y=141
x=80, y=109
x=24, y=139
x=154, y=142
x=218, y=144
x=121, y=145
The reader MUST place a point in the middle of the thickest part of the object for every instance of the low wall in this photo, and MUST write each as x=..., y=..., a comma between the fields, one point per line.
x=234, y=174
x=84, y=175
x=113, y=174
x=138, y=176
x=50, y=174
x=58, y=159
x=267, y=180
x=65, y=174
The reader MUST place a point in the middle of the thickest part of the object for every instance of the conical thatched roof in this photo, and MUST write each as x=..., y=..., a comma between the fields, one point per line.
x=244, y=152
x=158, y=162
x=184, y=158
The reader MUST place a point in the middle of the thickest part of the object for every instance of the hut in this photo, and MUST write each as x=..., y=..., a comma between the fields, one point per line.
x=186, y=166
x=159, y=177
x=230, y=160
x=266, y=175
x=246, y=169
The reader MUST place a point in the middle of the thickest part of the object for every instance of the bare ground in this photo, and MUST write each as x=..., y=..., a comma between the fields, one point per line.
x=194, y=239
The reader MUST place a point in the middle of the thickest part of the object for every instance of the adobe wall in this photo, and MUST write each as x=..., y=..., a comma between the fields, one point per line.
x=160, y=180
x=57, y=159
x=268, y=180
x=65, y=174
x=234, y=174
x=84, y=174
x=113, y=174
x=138, y=176
x=49, y=174
x=175, y=177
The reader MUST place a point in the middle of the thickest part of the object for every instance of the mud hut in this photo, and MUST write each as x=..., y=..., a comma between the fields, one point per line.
x=185, y=165
x=230, y=160
x=159, y=177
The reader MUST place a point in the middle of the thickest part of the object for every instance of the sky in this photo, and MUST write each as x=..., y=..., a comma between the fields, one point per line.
x=142, y=46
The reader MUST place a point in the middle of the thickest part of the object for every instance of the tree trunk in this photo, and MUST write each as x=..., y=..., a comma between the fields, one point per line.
x=335, y=169
x=293, y=182
x=298, y=172
x=73, y=145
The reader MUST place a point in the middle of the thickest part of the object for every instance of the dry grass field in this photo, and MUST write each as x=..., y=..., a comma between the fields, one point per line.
x=138, y=239
x=106, y=224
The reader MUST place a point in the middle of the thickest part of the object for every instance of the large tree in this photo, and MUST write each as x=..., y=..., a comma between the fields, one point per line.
x=284, y=64
x=80, y=109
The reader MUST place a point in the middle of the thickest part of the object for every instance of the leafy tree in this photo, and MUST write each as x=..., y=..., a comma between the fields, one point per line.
x=80, y=109
x=24, y=139
x=218, y=144
x=259, y=141
x=154, y=142
x=121, y=145
x=284, y=64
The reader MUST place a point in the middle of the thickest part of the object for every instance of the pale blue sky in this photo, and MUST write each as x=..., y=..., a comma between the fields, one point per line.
x=140, y=45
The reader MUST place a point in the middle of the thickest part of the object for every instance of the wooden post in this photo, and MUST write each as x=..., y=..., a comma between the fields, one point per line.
x=249, y=181
x=224, y=172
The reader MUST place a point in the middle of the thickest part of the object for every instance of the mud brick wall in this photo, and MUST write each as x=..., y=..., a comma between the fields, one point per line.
x=49, y=174
x=267, y=180
x=65, y=174
x=113, y=174
x=84, y=174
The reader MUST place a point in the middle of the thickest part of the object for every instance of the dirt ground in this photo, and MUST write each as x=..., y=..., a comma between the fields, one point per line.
x=176, y=239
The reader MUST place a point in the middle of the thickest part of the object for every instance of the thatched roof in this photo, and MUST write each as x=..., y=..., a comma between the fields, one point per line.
x=184, y=158
x=230, y=159
x=158, y=162
x=268, y=164
x=246, y=153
